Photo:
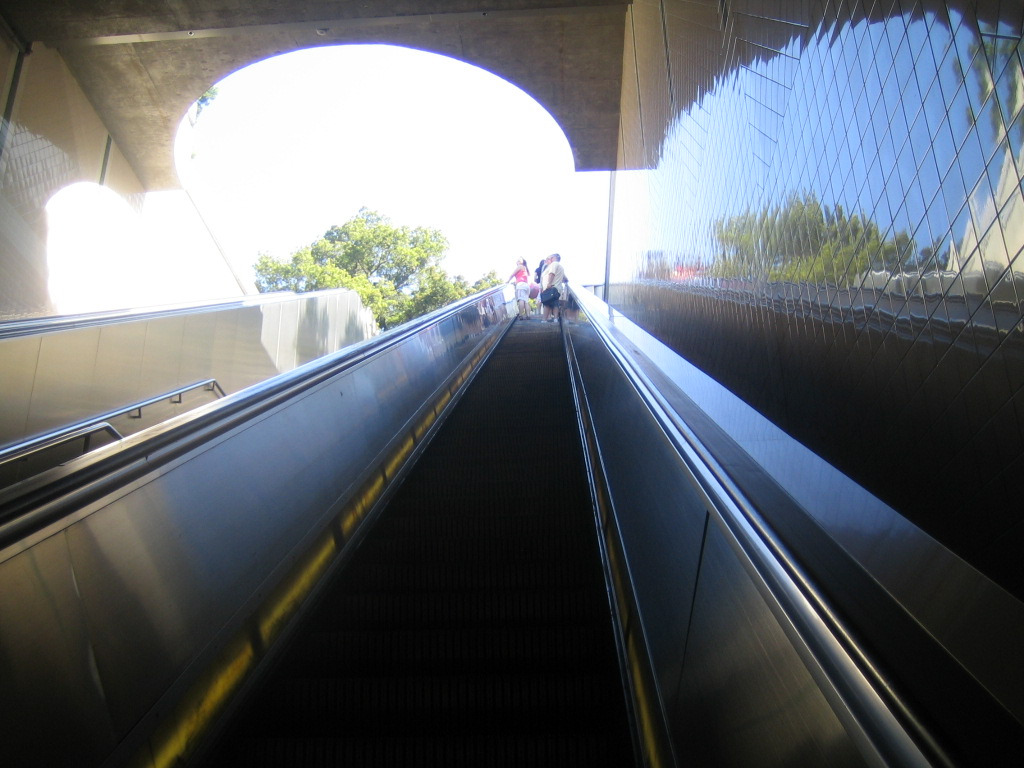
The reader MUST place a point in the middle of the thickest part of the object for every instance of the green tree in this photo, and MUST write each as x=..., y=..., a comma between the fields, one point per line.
x=395, y=269
x=206, y=99
x=368, y=244
x=435, y=290
x=489, y=280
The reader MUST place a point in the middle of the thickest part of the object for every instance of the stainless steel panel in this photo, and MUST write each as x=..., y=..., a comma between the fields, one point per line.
x=660, y=515
x=745, y=697
x=50, y=693
x=118, y=365
x=972, y=619
x=165, y=565
x=63, y=384
x=197, y=343
x=162, y=358
x=17, y=374
x=313, y=332
x=78, y=373
x=236, y=338
x=351, y=321
x=280, y=322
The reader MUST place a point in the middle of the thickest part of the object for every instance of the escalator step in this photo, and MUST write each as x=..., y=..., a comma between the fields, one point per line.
x=424, y=704
x=566, y=750
x=452, y=529
x=444, y=610
x=471, y=626
x=457, y=575
x=419, y=651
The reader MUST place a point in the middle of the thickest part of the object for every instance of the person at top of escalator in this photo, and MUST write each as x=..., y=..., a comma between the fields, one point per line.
x=553, y=277
x=521, y=276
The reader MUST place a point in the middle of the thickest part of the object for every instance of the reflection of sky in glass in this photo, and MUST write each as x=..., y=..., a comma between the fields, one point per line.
x=889, y=120
x=835, y=233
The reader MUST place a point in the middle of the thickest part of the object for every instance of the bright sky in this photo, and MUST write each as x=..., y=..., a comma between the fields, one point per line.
x=295, y=144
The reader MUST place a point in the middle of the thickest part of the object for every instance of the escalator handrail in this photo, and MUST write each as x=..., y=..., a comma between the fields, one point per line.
x=22, y=451
x=816, y=624
x=35, y=502
x=98, y=423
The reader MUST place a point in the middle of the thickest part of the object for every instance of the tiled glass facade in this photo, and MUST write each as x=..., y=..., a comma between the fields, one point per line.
x=835, y=231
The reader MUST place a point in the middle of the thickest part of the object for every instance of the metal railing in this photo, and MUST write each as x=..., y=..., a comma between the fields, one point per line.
x=51, y=442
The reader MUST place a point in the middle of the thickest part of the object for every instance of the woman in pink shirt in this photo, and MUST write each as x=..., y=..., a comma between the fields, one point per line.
x=521, y=276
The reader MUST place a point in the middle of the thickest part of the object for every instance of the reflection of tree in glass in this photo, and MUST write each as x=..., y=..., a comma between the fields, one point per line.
x=805, y=241
x=1001, y=55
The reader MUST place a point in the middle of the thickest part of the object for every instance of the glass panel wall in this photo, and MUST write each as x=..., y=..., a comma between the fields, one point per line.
x=825, y=212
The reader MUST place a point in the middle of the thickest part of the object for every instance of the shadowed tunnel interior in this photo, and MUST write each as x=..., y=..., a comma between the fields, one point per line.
x=472, y=624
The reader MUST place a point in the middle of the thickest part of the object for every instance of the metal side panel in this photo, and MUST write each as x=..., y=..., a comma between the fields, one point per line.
x=746, y=697
x=44, y=648
x=660, y=514
x=973, y=618
x=224, y=346
x=118, y=368
x=20, y=356
x=70, y=370
x=162, y=357
x=279, y=322
x=163, y=565
x=56, y=396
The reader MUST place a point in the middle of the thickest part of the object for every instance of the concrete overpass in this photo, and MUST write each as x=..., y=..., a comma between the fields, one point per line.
x=142, y=65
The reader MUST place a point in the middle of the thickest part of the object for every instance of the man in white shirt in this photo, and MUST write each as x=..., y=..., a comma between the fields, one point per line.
x=553, y=276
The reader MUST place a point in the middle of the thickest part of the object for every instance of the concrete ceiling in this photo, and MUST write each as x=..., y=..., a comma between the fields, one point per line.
x=143, y=62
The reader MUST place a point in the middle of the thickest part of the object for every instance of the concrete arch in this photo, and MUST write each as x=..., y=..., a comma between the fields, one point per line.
x=142, y=73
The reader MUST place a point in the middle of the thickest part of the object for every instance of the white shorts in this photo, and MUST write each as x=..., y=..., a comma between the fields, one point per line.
x=522, y=291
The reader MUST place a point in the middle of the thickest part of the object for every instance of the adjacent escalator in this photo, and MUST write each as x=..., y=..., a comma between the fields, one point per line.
x=472, y=626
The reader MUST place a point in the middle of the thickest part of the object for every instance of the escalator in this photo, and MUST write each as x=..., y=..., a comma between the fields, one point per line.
x=388, y=557
x=471, y=626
